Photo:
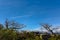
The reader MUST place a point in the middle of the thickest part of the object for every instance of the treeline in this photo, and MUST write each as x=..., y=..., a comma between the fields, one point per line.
x=9, y=31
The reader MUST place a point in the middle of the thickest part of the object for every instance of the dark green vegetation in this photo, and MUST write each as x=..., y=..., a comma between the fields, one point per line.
x=7, y=34
x=9, y=31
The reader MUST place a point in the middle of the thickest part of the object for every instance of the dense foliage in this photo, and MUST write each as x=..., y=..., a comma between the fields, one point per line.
x=7, y=34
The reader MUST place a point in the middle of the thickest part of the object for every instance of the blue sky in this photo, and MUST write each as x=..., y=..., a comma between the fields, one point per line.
x=31, y=12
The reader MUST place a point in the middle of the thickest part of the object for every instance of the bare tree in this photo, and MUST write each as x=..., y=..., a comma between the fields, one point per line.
x=47, y=27
x=11, y=24
x=6, y=23
x=16, y=25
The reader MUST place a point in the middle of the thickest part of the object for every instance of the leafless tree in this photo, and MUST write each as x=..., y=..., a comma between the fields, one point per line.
x=47, y=27
x=6, y=23
x=11, y=24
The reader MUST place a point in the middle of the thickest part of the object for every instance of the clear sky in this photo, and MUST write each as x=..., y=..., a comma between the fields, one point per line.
x=31, y=12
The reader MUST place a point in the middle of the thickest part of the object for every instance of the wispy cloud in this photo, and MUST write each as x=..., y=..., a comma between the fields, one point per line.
x=21, y=16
